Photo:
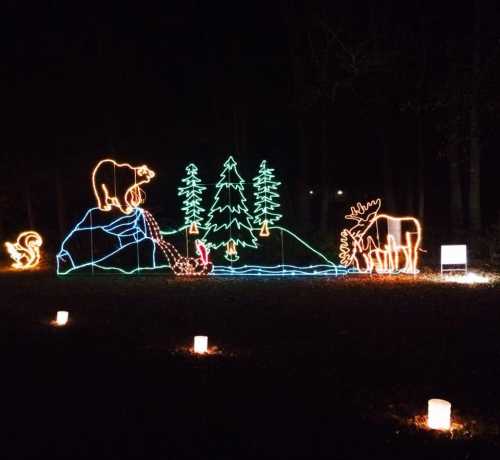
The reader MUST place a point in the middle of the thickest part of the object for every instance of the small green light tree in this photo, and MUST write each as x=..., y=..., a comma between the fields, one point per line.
x=266, y=197
x=229, y=222
x=192, y=191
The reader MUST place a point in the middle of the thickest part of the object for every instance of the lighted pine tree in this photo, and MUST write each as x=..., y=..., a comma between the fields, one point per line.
x=192, y=191
x=266, y=197
x=229, y=222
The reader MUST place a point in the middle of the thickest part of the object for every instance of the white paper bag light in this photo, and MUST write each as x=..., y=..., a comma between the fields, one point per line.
x=62, y=318
x=201, y=344
x=439, y=414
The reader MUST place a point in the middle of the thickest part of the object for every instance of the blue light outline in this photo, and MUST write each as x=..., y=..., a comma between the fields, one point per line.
x=327, y=269
x=112, y=228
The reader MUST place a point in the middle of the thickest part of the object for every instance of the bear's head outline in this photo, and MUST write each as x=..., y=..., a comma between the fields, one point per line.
x=144, y=174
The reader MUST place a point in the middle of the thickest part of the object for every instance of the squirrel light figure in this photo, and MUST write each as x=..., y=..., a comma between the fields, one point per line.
x=25, y=252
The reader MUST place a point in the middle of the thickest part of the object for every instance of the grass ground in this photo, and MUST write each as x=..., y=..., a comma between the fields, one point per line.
x=306, y=368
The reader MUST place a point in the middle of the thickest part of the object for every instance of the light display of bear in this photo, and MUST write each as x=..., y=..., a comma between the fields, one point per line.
x=119, y=235
x=119, y=185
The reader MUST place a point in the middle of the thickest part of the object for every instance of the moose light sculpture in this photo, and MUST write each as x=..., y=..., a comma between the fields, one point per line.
x=380, y=242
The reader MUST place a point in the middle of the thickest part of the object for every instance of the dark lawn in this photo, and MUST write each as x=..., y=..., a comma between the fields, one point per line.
x=332, y=368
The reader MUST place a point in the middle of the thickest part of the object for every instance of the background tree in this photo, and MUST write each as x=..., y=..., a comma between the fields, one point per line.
x=192, y=191
x=229, y=222
x=266, y=196
x=454, y=141
x=333, y=77
x=300, y=104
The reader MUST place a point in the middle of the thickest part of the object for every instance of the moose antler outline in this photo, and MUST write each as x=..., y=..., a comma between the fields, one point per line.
x=360, y=209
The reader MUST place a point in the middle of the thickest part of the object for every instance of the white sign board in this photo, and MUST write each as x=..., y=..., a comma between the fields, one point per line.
x=454, y=254
x=394, y=229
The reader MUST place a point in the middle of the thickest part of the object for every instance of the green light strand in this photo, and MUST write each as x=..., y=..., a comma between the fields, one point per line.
x=192, y=190
x=229, y=214
x=266, y=196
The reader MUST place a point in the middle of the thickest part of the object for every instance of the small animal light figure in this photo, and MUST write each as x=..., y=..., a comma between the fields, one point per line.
x=25, y=252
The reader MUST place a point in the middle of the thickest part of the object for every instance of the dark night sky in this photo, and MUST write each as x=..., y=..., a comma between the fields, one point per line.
x=160, y=83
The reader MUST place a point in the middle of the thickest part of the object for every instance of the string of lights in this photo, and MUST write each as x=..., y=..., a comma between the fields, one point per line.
x=181, y=266
x=377, y=243
x=229, y=222
x=127, y=199
x=328, y=267
x=126, y=231
x=282, y=270
x=266, y=195
x=25, y=252
x=192, y=191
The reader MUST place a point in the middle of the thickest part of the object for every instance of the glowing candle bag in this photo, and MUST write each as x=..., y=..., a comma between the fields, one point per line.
x=62, y=318
x=200, y=344
x=439, y=414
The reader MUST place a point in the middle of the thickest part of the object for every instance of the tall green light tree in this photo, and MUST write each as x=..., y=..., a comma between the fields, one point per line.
x=229, y=222
x=266, y=198
x=192, y=190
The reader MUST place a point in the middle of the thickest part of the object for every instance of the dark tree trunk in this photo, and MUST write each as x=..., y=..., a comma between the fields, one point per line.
x=475, y=145
x=243, y=132
x=410, y=193
x=240, y=130
x=303, y=178
x=474, y=169
x=236, y=137
x=453, y=154
x=421, y=95
x=456, y=206
x=420, y=168
x=389, y=200
x=29, y=207
x=325, y=178
x=61, y=221
x=387, y=175
x=216, y=130
x=297, y=90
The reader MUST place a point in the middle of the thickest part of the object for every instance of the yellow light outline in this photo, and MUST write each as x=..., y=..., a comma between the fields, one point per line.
x=231, y=248
x=193, y=229
x=134, y=195
x=181, y=266
x=25, y=252
x=264, y=229
x=366, y=255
